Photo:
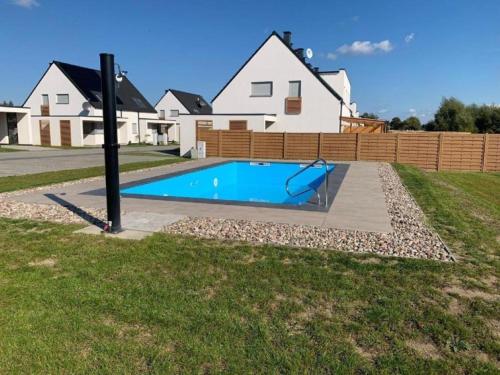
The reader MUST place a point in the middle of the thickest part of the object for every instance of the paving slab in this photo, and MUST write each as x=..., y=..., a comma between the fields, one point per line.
x=359, y=203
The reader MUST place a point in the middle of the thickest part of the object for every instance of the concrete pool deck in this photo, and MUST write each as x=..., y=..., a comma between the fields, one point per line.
x=359, y=202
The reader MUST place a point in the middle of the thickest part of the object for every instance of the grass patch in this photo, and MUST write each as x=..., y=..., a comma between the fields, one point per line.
x=6, y=149
x=78, y=304
x=12, y=183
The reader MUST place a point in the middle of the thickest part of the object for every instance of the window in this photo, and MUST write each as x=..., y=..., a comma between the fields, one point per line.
x=45, y=99
x=135, y=128
x=262, y=89
x=162, y=114
x=62, y=99
x=294, y=89
x=174, y=113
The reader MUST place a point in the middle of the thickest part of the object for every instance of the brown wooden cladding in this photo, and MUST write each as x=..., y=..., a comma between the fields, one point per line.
x=429, y=151
x=293, y=105
x=45, y=133
x=44, y=110
x=237, y=125
x=65, y=126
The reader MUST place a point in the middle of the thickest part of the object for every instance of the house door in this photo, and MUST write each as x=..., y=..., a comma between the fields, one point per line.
x=237, y=125
x=45, y=133
x=65, y=126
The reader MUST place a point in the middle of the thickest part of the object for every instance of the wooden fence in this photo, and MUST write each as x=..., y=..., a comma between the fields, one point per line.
x=430, y=151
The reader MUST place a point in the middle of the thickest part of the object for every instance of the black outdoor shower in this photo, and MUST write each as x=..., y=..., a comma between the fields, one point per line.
x=111, y=145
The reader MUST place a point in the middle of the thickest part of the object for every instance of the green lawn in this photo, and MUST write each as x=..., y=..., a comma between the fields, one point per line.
x=78, y=304
x=7, y=149
x=12, y=183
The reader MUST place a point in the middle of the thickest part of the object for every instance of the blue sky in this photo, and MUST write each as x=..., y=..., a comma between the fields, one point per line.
x=402, y=56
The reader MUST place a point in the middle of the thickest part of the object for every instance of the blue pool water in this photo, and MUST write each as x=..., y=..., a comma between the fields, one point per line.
x=238, y=181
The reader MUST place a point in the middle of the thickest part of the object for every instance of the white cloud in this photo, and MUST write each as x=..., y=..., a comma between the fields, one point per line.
x=412, y=111
x=383, y=110
x=28, y=4
x=365, y=48
x=331, y=56
x=409, y=38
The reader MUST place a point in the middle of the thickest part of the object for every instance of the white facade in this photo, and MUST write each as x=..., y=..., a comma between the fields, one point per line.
x=171, y=109
x=276, y=63
x=325, y=97
x=86, y=121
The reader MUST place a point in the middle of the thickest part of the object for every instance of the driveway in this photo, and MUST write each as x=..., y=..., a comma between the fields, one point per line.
x=38, y=159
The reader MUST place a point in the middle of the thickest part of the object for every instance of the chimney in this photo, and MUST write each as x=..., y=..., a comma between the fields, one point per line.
x=287, y=37
x=300, y=53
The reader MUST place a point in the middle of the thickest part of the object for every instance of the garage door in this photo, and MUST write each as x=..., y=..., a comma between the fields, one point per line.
x=65, y=133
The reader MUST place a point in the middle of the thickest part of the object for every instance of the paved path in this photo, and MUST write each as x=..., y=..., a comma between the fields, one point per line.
x=359, y=203
x=40, y=159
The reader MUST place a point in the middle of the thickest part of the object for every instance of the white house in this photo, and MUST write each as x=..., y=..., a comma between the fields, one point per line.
x=277, y=90
x=66, y=109
x=175, y=103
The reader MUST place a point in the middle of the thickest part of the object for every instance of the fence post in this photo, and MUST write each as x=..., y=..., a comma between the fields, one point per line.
x=440, y=151
x=485, y=152
x=285, y=144
x=358, y=146
x=219, y=142
x=251, y=144
x=320, y=144
x=397, y=147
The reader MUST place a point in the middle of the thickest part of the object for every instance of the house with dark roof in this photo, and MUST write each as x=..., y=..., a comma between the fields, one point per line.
x=175, y=103
x=66, y=109
x=277, y=90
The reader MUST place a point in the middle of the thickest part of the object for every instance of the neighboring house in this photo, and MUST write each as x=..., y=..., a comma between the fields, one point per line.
x=66, y=109
x=175, y=103
x=277, y=90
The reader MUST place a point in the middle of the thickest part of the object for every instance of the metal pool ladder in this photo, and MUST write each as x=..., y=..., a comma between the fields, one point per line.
x=323, y=161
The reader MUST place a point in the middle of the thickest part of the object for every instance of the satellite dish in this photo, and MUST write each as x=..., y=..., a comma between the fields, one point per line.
x=86, y=106
x=119, y=78
x=309, y=53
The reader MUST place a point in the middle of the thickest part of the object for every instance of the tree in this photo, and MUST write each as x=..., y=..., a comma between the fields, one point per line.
x=412, y=123
x=396, y=124
x=453, y=115
x=369, y=115
x=8, y=104
x=486, y=118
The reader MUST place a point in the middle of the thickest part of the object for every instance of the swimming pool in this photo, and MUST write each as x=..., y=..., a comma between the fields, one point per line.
x=239, y=181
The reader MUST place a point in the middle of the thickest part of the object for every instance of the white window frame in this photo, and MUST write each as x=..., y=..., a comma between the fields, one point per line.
x=135, y=128
x=58, y=96
x=45, y=96
x=252, y=92
x=174, y=113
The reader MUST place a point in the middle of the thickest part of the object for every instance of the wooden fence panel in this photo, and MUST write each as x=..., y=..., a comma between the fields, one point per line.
x=338, y=146
x=302, y=146
x=430, y=151
x=268, y=145
x=235, y=143
x=462, y=152
x=211, y=137
x=419, y=149
x=492, y=153
x=378, y=147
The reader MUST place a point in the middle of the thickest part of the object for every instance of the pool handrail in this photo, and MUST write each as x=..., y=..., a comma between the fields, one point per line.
x=310, y=188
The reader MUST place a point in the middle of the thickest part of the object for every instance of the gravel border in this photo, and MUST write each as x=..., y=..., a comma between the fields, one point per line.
x=411, y=237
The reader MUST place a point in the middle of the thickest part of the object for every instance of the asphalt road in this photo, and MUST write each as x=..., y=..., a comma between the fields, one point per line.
x=37, y=159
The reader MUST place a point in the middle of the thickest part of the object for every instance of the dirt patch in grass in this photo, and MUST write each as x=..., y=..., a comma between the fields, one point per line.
x=371, y=260
x=367, y=353
x=469, y=293
x=50, y=262
x=455, y=307
x=424, y=348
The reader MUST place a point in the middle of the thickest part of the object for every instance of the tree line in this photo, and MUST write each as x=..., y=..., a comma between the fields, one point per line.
x=452, y=115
